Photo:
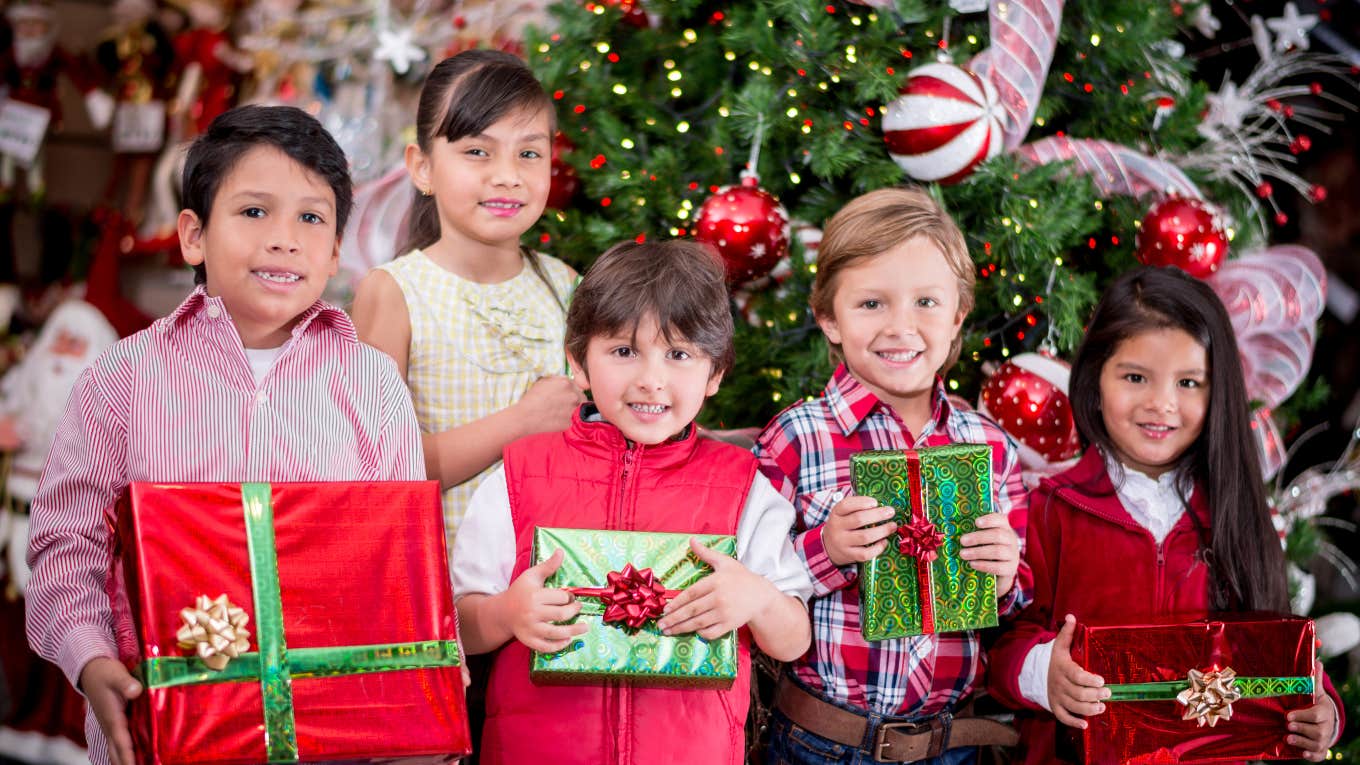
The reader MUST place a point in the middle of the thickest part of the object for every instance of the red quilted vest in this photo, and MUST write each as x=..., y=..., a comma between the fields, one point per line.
x=589, y=477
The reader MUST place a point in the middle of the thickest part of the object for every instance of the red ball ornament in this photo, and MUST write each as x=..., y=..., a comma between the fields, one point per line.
x=633, y=13
x=946, y=122
x=1028, y=398
x=747, y=226
x=1186, y=233
x=565, y=183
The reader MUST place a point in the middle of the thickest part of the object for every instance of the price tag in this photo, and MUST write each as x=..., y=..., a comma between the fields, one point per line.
x=139, y=128
x=22, y=127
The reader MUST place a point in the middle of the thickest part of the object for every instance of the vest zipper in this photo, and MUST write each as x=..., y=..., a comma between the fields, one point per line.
x=628, y=456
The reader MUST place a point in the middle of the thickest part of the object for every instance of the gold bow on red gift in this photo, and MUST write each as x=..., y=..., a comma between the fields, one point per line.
x=1210, y=696
x=215, y=630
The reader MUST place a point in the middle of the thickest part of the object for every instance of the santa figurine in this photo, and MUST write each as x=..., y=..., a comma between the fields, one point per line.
x=45, y=723
x=210, y=68
x=30, y=68
x=137, y=59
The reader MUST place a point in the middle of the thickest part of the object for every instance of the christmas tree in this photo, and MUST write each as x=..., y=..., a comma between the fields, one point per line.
x=1070, y=142
x=662, y=104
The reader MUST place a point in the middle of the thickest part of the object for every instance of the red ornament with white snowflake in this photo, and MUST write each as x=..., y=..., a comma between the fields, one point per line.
x=1186, y=233
x=748, y=228
x=565, y=183
x=1027, y=396
x=946, y=122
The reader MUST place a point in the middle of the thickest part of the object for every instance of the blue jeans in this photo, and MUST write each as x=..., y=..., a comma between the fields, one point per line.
x=792, y=745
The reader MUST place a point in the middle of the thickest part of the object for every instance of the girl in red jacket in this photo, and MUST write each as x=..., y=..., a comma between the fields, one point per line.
x=1124, y=536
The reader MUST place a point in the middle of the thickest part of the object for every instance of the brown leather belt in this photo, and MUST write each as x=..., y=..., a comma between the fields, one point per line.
x=889, y=741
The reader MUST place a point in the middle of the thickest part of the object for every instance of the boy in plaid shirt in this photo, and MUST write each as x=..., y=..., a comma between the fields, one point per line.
x=894, y=283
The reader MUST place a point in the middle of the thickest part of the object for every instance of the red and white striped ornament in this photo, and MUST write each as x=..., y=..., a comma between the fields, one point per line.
x=946, y=122
x=1027, y=396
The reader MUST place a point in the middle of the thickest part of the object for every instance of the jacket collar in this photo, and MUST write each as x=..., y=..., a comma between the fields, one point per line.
x=600, y=438
x=851, y=402
x=1087, y=487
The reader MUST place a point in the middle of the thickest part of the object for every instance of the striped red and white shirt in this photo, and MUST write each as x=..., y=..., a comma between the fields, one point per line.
x=178, y=402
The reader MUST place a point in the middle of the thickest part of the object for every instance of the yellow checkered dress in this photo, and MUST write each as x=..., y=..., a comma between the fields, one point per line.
x=476, y=348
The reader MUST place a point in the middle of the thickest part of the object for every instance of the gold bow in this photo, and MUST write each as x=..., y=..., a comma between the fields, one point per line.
x=215, y=630
x=1210, y=696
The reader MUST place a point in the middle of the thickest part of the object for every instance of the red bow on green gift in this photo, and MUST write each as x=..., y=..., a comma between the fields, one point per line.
x=919, y=538
x=632, y=596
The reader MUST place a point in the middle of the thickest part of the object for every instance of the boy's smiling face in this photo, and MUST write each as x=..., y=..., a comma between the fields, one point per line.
x=647, y=386
x=270, y=244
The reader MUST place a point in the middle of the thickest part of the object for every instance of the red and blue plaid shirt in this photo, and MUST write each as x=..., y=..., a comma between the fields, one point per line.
x=805, y=452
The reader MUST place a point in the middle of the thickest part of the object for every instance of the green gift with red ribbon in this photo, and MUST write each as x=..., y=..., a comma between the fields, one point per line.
x=288, y=622
x=623, y=580
x=919, y=585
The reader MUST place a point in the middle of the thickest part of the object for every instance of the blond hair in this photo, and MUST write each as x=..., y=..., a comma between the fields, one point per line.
x=873, y=223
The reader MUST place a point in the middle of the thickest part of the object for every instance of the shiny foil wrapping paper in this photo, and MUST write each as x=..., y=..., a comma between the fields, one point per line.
x=1271, y=654
x=361, y=571
x=641, y=655
x=901, y=595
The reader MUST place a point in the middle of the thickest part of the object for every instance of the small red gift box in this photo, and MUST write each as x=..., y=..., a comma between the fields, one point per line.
x=1215, y=690
x=287, y=622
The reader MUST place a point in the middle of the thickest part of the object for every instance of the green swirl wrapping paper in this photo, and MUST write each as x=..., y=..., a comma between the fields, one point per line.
x=955, y=490
x=643, y=656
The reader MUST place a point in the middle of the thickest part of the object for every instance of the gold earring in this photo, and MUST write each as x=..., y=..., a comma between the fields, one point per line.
x=426, y=192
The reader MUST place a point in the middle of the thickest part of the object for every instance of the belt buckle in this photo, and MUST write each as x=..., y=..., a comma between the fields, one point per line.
x=880, y=737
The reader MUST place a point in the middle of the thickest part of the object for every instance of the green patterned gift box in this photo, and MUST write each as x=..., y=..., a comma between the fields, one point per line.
x=622, y=579
x=920, y=585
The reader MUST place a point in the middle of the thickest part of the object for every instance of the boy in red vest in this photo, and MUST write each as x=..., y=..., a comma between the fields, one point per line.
x=649, y=334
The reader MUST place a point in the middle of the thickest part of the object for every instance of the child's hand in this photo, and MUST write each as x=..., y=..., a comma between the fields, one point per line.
x=1073, y=693
x=1314, y=728
x=849, y=534
x=109, y=687
x=728, y=598
x=549, y=403
x=10, y=440
x=993, y=549
x=530, y=609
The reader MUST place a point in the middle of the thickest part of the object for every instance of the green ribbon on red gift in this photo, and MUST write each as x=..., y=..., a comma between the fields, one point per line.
x=1209, y=695
x=274, y=665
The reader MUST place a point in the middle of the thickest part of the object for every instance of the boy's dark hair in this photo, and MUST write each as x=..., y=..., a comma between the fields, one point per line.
x=679, y=282
x=235, y=132
x=1241, y=545
x=462, y=96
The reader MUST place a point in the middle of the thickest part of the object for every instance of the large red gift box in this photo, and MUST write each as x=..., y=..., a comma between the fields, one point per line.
x=342, y=592
x=1214, y=690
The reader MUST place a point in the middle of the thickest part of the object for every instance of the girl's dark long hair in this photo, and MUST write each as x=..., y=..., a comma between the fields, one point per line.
x=464, y=95
x=1241, y=546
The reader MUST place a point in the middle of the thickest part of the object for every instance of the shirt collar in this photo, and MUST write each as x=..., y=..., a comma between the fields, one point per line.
x=199, y=302
x=851, y=402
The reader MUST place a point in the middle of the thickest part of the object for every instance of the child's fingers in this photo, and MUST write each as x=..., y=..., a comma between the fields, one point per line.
x=996, y=553
x=869, y=518
x=864, y=537
x=716, y=631
x=558, y=613
x=692, y=617
x=688, y=596
x=1002, y=536
x=851, y=505
x=1314, y=714
x=553, y=596
x=1067, y=718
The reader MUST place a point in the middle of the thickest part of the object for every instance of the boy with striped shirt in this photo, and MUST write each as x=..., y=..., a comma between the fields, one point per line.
x=252, y=378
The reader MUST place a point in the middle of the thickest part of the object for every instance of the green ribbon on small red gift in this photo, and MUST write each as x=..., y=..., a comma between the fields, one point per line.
x=1208, y=695
x=273, y=664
